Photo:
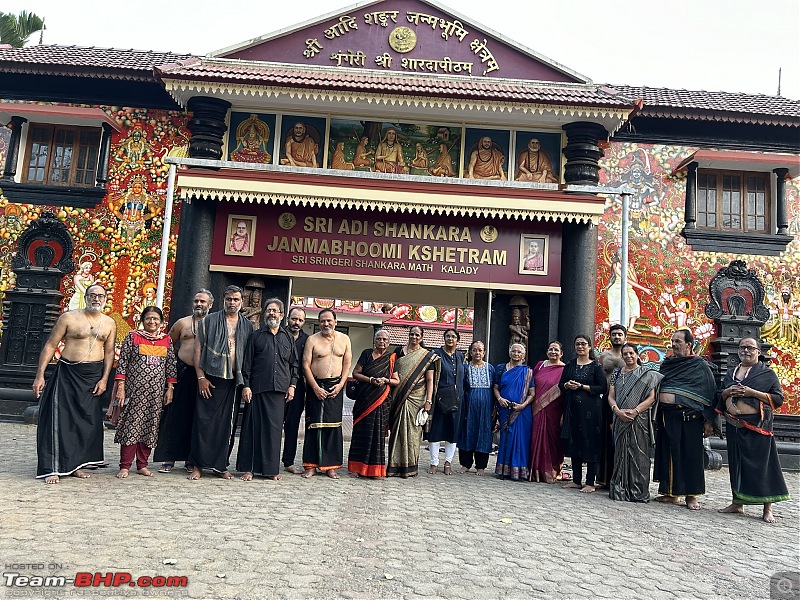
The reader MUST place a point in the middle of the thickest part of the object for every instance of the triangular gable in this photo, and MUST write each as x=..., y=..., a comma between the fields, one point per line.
x=411, y=36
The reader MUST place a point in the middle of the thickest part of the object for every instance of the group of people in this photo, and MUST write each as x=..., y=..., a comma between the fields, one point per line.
x=180, y=394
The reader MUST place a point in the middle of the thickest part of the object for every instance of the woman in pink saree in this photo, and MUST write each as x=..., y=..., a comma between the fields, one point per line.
x=547, y=449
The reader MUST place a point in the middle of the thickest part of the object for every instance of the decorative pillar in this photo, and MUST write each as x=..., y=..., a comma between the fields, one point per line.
x=207, y=126
x=690, y=208
x=103, y=156
x=583, y=153
x=192, y=256
x=576, y=311
x=780, y=189
x=12, y=156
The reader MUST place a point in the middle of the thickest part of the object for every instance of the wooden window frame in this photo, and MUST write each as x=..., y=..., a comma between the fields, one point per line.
x=53, y=130
x=743, y=190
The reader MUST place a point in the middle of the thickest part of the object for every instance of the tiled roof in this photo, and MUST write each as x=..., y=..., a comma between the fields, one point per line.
x=716, y=106
x=370, y=80
x=87, y=60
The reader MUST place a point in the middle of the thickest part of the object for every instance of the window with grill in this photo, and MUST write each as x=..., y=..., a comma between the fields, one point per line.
x=62, y=155
x=733, y=201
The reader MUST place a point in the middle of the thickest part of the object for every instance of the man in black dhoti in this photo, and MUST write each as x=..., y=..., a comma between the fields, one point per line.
x=69, y=436
x=685, y=416
x=326, y=365
x=294, y=410
x=175, y=430
x=221, y=340
x=270, y=369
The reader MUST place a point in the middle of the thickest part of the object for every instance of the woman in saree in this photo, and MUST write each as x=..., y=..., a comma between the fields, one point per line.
x=475, y=436
x=750, y=393
x=514, y=391
x=547, y=449
x=632, y=391
x=418, y=371
x=375, y=373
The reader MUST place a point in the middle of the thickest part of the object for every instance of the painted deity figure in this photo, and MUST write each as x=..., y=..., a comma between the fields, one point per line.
x=339, y=161
x=534, y=164
x=252, y=136
x=486, y=161
x=420, y=160
x=135, y=152
x=614, y=295
x=300, y=148
x=443, y=167
x=362, y=156
x=136, y=207
x=389, y=154
x=82, y=280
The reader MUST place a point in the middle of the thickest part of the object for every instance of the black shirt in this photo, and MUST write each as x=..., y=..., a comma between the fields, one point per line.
x=270, y=361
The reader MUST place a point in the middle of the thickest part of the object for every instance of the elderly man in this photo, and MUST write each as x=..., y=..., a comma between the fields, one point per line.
x=534, y=164
x=685, y=416
x=175, y=432
x=69, y=436
x=300, y=149
x=326, y=365
x=221, y=340
x=486, y=161
x=240, y=239
x=294, y=410
x=270, y=369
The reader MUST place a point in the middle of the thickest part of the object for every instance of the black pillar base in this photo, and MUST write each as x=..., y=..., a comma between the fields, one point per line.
x=207, y=126
x=583, y=152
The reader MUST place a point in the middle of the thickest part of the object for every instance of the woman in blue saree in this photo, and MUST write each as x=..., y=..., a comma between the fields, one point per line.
x=514, y=391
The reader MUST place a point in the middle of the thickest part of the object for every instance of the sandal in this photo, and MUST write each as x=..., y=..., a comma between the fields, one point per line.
x=448, y=468
x=565, y=476
x=433, y=469
x=166, y=468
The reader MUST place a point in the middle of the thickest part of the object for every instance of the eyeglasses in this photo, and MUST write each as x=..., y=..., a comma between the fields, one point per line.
x=581, y=344
x=748, y=348
x=95, y=296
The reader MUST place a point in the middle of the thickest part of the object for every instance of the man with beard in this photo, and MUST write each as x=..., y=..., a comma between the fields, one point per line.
x=221, y=340
x=301, y=149
x=294, y=410
x=326, y=365
x=270, y=369
x=610, y=360
x=534, y=164
x=685, y=416
x=486, y=161
x=70, y=431
x=174, y=435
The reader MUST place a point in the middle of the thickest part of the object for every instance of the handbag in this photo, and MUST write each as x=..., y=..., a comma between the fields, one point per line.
x=114, y=409
x=447, y=399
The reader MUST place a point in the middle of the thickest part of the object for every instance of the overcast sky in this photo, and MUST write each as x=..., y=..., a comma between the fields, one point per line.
x=729, y=45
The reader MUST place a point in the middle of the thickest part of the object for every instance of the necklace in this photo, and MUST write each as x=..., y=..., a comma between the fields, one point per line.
x=480, y=156
x=236, y=246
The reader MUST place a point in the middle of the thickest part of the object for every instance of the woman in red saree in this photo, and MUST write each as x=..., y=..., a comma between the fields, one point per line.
x=375, y=375
x=547, y=449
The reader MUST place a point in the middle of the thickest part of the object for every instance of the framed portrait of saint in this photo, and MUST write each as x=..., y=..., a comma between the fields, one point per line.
x=241, y=235
x=533, y=250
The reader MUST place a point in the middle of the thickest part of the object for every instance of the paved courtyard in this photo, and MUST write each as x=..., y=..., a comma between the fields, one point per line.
x=435, y=536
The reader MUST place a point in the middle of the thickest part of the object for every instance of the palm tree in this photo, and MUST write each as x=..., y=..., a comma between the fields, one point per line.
x=16, y=29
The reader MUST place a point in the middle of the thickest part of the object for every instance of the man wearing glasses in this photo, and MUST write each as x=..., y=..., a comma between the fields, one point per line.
x=69, y=436
x=685, y=416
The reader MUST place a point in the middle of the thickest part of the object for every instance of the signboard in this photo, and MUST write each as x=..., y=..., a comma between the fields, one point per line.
x=401, y=248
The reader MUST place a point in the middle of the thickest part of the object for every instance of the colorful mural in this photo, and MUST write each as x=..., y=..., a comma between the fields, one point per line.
x=117, y=243
x=668, y=282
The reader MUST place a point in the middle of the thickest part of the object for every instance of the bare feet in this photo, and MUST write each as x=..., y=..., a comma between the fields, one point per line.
x=123, y=473
x=733, y=508
x=225, y=475
x=309, y=473
x=293, y=470
x=573, y=485
x=274, y=477
x=332, y=474
x=81, y=474
x=549, y=477
x=433, y=469
x=664, y=499
x=195, y=474
x=146, y=472
x=355, y=475
x=480, y=472
x=52, y=479
x=587, y=489
x=692, y=503
x=767, y=515
x=248, y=476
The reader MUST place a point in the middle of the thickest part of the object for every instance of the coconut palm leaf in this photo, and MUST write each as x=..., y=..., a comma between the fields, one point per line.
x=17, y=29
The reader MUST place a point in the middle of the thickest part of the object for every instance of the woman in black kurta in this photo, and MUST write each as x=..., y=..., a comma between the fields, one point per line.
x=584, y=383
x=446, y=420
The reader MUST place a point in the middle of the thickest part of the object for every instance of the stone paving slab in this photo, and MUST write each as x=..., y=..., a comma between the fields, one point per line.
x=435, y=536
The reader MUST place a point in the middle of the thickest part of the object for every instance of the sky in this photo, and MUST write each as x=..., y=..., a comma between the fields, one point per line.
x=713, y=45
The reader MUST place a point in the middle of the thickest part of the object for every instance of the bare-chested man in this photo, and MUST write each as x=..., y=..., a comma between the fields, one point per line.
x=174, y=435
x=70, y=432
x=326, y=365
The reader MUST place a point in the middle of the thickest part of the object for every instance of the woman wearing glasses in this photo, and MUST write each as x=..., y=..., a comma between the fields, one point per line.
x=751, y=392
x=583, y=383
